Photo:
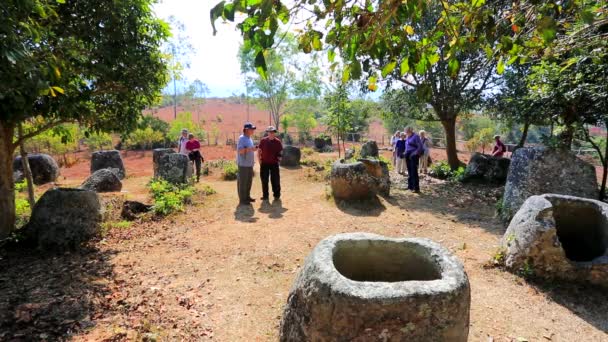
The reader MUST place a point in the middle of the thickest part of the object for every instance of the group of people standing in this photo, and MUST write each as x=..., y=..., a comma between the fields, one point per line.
x=411, y=151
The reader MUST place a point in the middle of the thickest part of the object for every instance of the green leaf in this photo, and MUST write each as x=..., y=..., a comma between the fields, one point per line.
x=58, y=89
x=422, y=66
x=453, y=67
x=355, y=72
x=478, y=3
x=215, y=13
x=404, y=67
x=587, y=16
x=61, y=1
x=388, y=68
x=500, y=68
x=316, y=42
x=260, y=64
x=512, y=60
x=331, y=55
x=346, y=74
x=434, y=58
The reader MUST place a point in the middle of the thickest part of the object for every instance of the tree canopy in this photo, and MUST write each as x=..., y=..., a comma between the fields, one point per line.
x=98, y=63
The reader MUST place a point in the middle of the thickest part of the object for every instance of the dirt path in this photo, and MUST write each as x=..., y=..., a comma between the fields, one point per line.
x=223, y=272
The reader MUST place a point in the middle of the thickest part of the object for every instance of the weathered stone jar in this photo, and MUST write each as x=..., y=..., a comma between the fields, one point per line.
x=110, y=159
x=360, y=287
x=362, y=179
x=558, y=236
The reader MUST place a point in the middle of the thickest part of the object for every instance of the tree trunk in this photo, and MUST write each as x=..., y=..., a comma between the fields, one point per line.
x=605, y=165
x=524, y=135
x=449, y=126
x=7, y=187
x=27, y=171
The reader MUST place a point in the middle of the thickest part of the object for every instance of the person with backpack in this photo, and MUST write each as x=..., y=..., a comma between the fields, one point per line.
x=499, y=147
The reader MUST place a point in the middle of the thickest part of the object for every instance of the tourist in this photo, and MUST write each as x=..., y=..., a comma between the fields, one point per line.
x=426, y=151
x=400, y=152
x=499, y=147
x=269, y=155
x=413, y=151
x=396, y=137
x=245, y=161
x=193, y=147
x=181, y=142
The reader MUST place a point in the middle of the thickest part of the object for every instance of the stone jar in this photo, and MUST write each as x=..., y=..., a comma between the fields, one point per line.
x=110, y=159
x=359, y=286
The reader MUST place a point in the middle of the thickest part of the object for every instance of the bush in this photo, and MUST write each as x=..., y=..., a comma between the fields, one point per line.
x=22, y=211
x=208, y=190
x=169, y=198
x=21, y=186
x=307, y=151
x=229, y=170
x=99, y=141
x=442, y=170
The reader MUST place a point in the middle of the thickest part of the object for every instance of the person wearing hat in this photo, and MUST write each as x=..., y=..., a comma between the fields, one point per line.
x=499, y=147
x=182, y=141
x=245, y=161
x=269, y=155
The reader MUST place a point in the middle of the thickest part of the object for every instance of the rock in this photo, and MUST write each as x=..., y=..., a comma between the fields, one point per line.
x=291, y=156
x=485, y=168
x=349, y=153
x=44, y=168
x=322, y=143
x=558, y=236
x=131, y=209
x=174, y=168
x=355, y=287
x=103, y=180
x=157, y=153
x=362, y=179
x=64, y=218
x=107, y=159
x=539, y=170
x=369, y=149
x=18, y=176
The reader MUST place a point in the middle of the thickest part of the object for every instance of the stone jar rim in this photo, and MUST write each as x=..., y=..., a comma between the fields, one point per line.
x=451, y=271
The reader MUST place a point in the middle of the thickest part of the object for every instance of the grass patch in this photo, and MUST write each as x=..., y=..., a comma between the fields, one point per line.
x=230, y=171
x=208, y=190
x=307, y=151
x=169, y=198
x=442, y=170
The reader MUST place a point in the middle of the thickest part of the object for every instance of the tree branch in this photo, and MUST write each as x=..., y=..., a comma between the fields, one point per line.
x=40, y=129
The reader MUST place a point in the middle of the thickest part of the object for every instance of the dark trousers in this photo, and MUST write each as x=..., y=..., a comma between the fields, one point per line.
x=272, y=171
x=197, y=164
x=243, y=183
x=413, y=183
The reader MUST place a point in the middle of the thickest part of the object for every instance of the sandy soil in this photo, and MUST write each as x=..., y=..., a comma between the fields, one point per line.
x=223, y=272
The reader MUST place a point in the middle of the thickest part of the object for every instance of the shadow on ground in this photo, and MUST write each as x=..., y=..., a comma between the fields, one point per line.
x=274, y=210
x=51, y=296
x=587, y=302
x=244, y=213
x=473, y=204
x=371, y=207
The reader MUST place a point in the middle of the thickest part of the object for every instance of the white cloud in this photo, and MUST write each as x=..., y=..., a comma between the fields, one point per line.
x=215, y=59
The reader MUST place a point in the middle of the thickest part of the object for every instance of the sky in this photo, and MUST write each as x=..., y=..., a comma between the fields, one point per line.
x=215, y=58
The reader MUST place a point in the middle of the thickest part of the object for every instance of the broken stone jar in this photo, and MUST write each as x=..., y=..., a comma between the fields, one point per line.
x=360, y=287
x=559, y=236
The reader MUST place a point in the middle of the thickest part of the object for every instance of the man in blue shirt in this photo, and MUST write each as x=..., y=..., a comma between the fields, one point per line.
x=245, y=160
x=413, y=151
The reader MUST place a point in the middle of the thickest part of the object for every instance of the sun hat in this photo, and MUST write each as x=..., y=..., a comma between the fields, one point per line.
x=271, y=129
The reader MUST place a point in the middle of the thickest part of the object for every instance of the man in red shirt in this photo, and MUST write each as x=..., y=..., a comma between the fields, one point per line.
x=269, y=154
x=193, y=147
x=499, y=147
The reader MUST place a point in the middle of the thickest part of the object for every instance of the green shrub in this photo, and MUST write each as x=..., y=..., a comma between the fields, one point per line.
x=385, y=160
x=21, y=186
x=229, y=171
x=169, y=198
x=442, y=170
x=99, y=141
x=208, y=190
x=307, y=151
x=22, y=211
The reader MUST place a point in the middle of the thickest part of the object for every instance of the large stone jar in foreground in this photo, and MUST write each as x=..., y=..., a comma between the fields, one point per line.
x=557, y=236
x=359, y=287
x=110, y=159
x=64, y=218
x=540, y=170
x=362, y=179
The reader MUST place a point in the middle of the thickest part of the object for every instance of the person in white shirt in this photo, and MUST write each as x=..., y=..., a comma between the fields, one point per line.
x=181, y=143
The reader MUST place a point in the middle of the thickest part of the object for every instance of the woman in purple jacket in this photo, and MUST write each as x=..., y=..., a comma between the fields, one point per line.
x=413, y=150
